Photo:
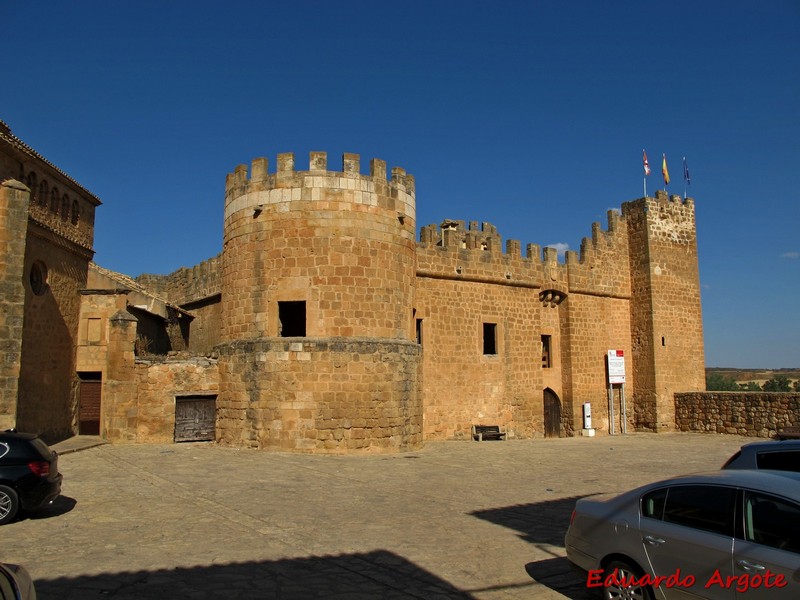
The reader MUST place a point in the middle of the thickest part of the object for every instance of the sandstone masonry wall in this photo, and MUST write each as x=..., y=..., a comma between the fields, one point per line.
x=159, y=382
x=756, y=414
x=187, y=285
x=667, y=329
x=320, y=395
x=14, y=198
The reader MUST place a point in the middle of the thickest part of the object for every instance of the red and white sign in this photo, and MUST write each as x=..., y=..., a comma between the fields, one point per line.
x=616, y=366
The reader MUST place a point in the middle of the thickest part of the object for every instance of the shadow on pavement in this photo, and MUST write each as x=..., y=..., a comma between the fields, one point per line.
x=378, y=574
x=60, y=506
x=544, y=524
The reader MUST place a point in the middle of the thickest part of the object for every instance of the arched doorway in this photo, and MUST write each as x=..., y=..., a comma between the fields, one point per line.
x=552, y=414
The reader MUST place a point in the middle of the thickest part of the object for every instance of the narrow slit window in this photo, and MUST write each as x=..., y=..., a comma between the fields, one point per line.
x=292, y=319
x=490, y=338
x=419, y=331
x=546, y=352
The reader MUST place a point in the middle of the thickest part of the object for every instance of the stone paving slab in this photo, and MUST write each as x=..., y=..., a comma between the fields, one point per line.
x=453, y=520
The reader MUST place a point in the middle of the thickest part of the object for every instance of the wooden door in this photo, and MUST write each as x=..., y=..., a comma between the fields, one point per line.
x=195, y=418
x=552, y=414
x=89, y=407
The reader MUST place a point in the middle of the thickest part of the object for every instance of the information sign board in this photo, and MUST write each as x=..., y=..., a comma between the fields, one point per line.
x=616, y=366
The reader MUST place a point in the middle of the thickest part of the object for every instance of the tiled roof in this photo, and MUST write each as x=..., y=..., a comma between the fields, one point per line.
x=11, y=139
x=129, y=283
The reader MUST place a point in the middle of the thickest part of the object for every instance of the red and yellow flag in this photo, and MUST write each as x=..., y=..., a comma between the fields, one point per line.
x=664, y=170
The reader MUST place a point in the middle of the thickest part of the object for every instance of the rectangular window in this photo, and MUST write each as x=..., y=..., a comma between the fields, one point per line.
x=772, y=522
x=709, y=508
x=292, y=319
x=490, y=338
x=546, y=349
x=419, y=331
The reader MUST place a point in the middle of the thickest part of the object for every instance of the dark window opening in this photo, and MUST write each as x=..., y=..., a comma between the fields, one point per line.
x=292, y=319
x=490, y=338
x=772, y=522
x=546, y=362
x=38, y=278
x=708, y=508
x=779, y=461
x=663, y=342
x=419, y=331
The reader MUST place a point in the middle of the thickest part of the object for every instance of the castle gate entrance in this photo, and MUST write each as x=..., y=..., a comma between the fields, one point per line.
x=552, y=414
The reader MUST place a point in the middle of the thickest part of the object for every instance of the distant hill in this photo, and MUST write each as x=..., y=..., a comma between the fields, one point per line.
x=759, y=376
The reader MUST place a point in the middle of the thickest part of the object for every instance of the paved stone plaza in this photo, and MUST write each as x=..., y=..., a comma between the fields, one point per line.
x=453, y=520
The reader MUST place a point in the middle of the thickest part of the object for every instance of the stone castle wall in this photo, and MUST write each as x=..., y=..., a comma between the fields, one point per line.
x=666, y=328
x=186, y=285
x=756, y=414
x=464, y=280
x=329, y=395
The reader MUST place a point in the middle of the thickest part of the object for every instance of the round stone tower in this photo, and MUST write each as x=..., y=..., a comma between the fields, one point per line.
x=317, y=297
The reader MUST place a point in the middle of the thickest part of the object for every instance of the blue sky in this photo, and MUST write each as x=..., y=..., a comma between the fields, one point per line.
x=529, y=115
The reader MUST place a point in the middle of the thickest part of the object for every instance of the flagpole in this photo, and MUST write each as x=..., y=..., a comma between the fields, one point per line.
x=685, y=177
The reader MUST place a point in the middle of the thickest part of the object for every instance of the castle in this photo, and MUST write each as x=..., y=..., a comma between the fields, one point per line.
x=326, y=325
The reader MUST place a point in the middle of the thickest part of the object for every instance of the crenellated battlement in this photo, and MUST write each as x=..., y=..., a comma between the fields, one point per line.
x=602, y=241
x=186, y=285
x=261, y=178
x=670, y=219
x=474, y=252
x=460, y=250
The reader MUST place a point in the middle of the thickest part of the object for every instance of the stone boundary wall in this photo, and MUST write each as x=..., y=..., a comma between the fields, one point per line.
x=159, y=382
x=186, y=285
x=754, y=414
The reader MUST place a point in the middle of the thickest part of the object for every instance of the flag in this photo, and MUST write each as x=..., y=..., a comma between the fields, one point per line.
x=686, y=177
x=646, y=164
x=664, y=170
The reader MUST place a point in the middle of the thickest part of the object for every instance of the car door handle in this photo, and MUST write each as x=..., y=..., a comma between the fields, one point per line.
x=748, y=566
x=653, y=541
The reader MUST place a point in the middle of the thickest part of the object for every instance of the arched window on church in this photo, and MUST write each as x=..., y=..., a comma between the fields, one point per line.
x=75, y=212
x=65, y=207
x=43, y=193
x=54, y=198
x=32, y=186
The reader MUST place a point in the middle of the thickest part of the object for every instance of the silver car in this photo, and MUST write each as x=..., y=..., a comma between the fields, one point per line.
x=15, y=583
x=726, y=534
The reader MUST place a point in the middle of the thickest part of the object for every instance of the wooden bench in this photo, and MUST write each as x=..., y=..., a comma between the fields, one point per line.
x=488, y=432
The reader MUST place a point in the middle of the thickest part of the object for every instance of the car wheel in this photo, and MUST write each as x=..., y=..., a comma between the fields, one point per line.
x=621, y=588
x=9, y=504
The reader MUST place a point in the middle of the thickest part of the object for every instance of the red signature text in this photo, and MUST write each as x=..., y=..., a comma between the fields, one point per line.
x=742, y=583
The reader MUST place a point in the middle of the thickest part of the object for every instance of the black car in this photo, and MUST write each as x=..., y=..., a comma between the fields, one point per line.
x=779, y=455
x=29, y=477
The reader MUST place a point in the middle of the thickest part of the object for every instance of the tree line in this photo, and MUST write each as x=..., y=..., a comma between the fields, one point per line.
x=717, y=382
